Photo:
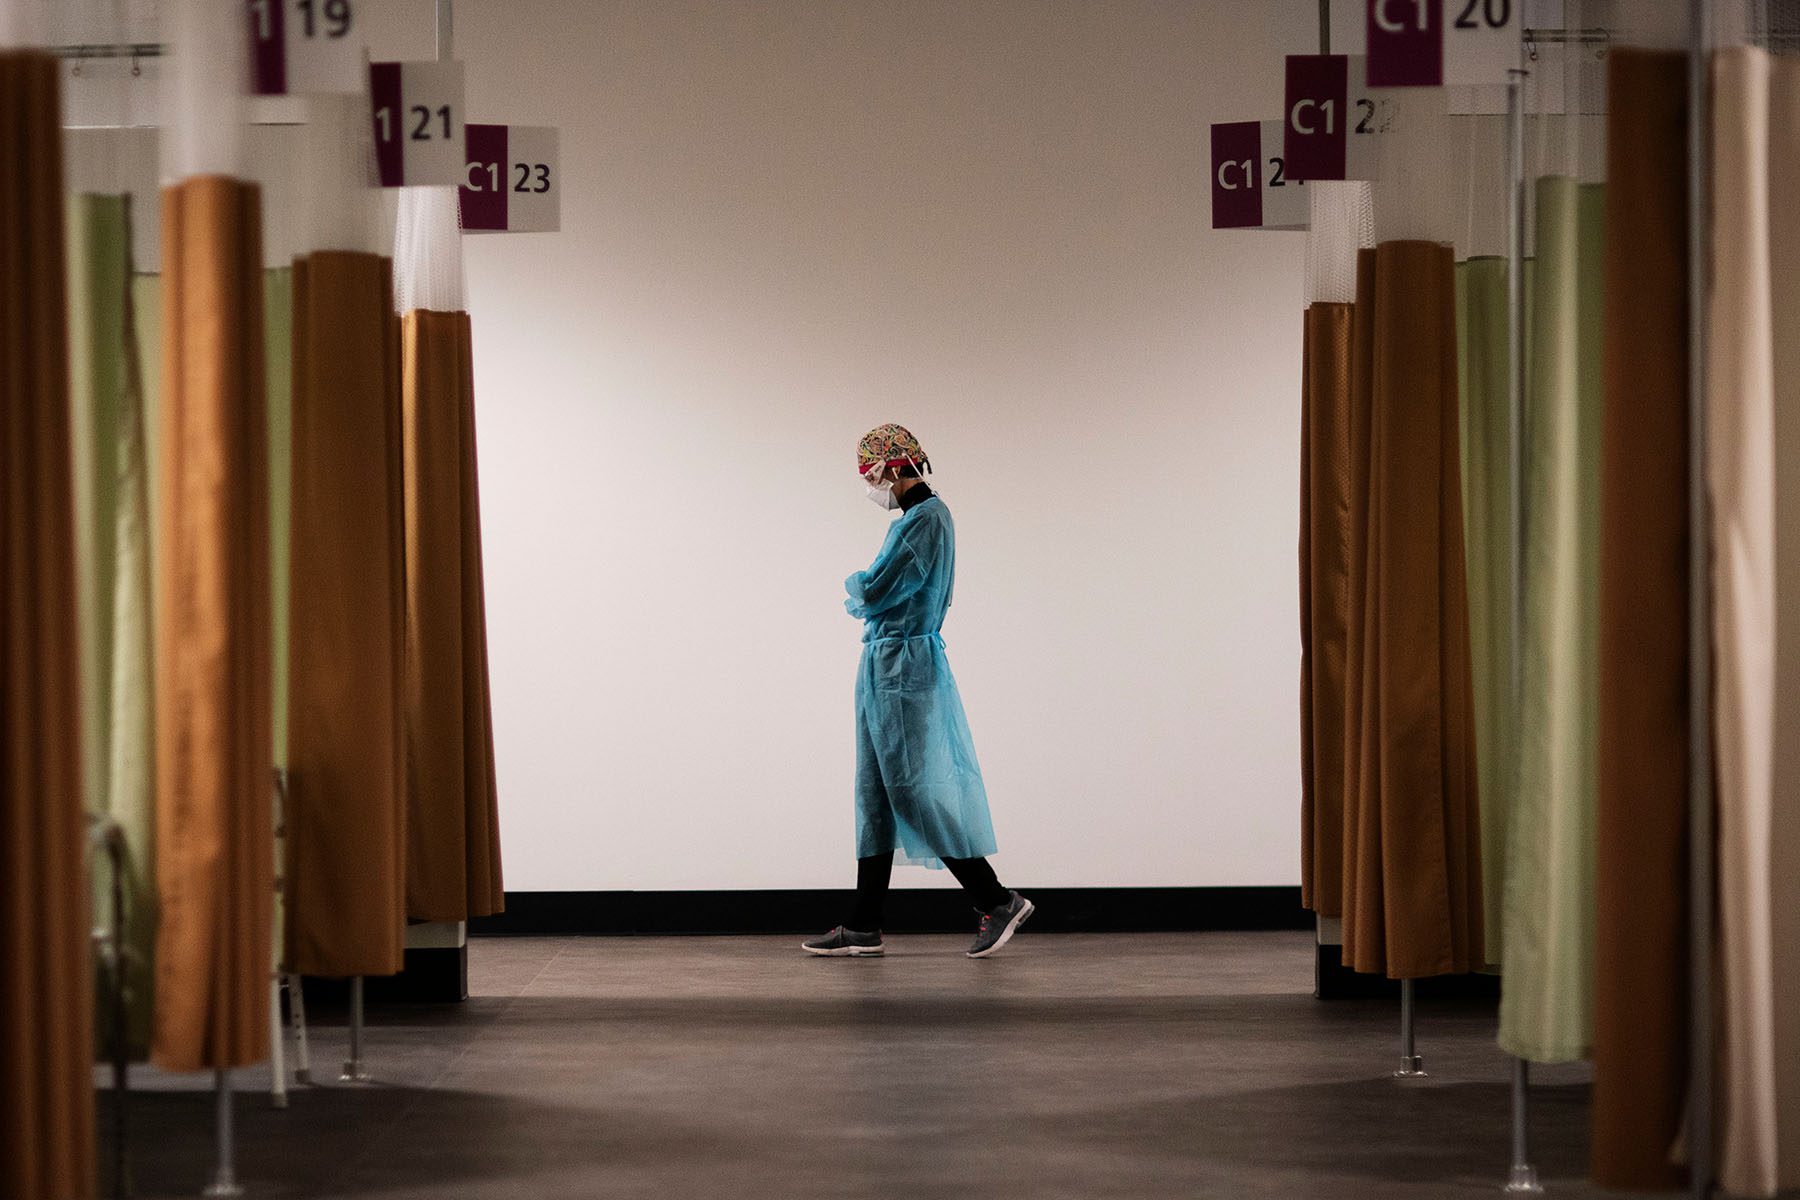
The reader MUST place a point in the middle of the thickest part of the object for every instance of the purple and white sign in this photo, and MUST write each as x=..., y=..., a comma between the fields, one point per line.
x=302, y=46
x=418, y=112
x=512, y=180
x=1438, y=43
x=1250, y=184
x=1331, y=118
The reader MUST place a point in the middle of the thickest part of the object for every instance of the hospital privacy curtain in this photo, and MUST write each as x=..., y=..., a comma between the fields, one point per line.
x=1753, y=480
x=1412, y=854
x=345, y=819
x=1324, y=600
x=453, y=824
x=1482, y=325
x=1641, y=911
x=215, y=850
x=113, y=559
x=46, y=1035
x=1547, y=961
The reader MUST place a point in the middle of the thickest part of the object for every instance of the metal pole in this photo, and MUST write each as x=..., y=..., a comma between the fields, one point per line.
x=353, y=1066
x=121, y=1018
x=224, y=1182
x=446, y=30
x=278, y=1092
x=1522, y=1179
x=297, y=1016
x=1412, y=1066
x=1324, y=26
x=1700, y=798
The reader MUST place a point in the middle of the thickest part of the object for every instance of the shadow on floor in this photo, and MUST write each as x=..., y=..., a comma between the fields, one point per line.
x=1379, y=1129
x=332, y=1141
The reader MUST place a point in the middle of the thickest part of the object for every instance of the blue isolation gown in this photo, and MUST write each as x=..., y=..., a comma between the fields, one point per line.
x=918, y=786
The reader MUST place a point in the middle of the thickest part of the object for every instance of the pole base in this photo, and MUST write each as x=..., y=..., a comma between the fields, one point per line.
x=1411, y=1067
x=354, y=1072
x=223, y=1189
x=303, y=1075
x=1524, y=1181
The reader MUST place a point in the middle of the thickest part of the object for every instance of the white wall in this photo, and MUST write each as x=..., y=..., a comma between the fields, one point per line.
x=788, y=221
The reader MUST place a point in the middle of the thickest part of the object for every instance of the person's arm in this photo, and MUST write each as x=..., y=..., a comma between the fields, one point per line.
x=890, y=580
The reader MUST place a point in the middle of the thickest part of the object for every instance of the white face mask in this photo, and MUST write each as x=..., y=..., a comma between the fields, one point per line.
x=883, y=497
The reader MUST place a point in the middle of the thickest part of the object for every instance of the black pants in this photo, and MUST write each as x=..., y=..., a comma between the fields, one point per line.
x=872, y=875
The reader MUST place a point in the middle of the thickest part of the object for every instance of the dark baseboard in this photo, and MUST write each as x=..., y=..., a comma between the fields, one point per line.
x=430, y=976
x=1332, y=980
x=910, y=910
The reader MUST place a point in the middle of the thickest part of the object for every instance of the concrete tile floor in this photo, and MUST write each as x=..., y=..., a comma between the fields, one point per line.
x=1190, y=1065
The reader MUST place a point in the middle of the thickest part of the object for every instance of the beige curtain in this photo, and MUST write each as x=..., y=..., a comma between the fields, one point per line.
x=345, y=899
x=1753, y=477
x=1412, y=850
x=215, y=852
x=46, y=1034
x=453, y=822
x=1641, y=944
x=1324, y=600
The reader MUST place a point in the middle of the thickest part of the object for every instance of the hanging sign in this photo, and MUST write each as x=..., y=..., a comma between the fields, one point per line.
x=301, y=46
x=1331, y=118
x=1437, y=43
x=1250, y=184
x=418, y=112
x=512, y=180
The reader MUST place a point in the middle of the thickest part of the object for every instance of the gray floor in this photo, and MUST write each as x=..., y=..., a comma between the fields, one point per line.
x=1069, y=1066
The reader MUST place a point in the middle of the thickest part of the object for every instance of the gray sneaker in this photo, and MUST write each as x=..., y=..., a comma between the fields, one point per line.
x=998, y=926
x=846, y=943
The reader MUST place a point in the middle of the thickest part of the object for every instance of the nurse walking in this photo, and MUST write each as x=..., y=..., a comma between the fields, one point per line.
x=918, y=787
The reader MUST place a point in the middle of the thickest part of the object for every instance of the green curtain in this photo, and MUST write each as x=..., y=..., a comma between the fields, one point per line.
x=112, y=544
x=1481, y=329
x=1546, y=1008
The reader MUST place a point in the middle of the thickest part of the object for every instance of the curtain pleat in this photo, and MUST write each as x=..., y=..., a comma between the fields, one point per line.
x=113, y=556
x=214, y=840
x=1546, y=1011
x=1324, y=600
x=46, y=966
x=453, y=822
x=1641, y=944
x=1753, y=334
x=346, y=808
x=1412, y=855
x=1481, y=342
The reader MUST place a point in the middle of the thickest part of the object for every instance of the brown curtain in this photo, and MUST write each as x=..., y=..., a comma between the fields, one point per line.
x=1324, y=601
x=46, y=1037
x=453, y=822
x=345, y=901
x=215, y=847
x=1641, y=951
x=1412, y=853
